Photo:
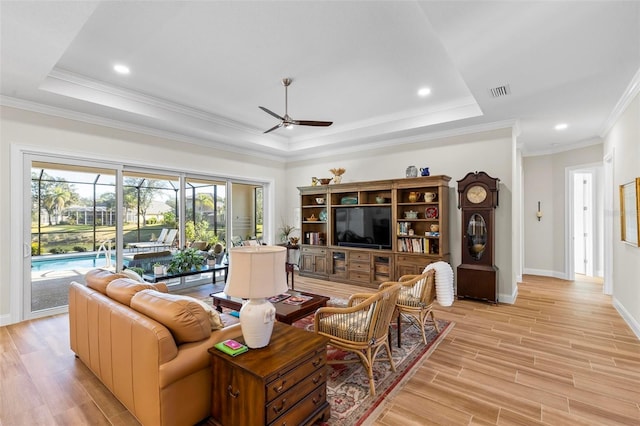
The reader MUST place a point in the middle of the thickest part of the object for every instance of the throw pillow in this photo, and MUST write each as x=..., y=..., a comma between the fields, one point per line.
x=214, y=315
x=133, y=275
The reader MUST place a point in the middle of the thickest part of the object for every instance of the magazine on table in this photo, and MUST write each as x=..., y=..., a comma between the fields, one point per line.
x=279, y=297
x=297, y=300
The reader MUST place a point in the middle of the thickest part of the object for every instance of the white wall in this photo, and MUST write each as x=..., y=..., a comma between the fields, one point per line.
x=623, y=141
x=491, y=152
x=55, y=135
x=544, y=181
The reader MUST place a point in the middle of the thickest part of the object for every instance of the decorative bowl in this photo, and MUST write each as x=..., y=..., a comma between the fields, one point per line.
x=324, y=181
x=320, y=200
x=411, y=215
x=380, y=200
x=312, y=218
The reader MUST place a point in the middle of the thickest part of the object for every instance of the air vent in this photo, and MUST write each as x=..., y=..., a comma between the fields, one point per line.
x=499, y=91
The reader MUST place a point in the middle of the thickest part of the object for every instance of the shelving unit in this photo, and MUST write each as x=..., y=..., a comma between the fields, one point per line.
x=419, y=227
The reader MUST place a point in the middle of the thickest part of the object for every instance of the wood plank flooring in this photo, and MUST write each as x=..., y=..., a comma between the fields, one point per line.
x=561, y=355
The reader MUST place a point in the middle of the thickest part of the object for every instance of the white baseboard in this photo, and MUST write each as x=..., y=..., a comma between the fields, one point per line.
x=5, y=320
x=635, y=325
x=545, y=273
x=509, y=298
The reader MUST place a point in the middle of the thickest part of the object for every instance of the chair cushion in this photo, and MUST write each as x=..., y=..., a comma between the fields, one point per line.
x=123, y=289
x=99, y=279
x=182, y=315
x=352, y=326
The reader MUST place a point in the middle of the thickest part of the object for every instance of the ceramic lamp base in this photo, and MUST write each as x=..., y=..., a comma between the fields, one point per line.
x=256, y=320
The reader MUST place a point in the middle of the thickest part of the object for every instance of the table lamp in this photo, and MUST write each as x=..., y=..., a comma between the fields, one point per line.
x=256, y=273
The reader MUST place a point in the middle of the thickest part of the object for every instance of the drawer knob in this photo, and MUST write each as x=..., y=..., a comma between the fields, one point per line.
x=278, y=409
x=279, y=388
x=231, y=393
x=320, y=398
x=317, y=362
x=315, y=380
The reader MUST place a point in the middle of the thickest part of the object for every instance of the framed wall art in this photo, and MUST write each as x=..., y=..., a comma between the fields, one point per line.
x=629, y=207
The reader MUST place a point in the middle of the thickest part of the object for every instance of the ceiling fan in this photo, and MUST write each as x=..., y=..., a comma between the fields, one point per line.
x=287, y=121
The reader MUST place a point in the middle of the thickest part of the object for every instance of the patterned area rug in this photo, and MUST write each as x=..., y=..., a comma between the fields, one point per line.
x=348, y=384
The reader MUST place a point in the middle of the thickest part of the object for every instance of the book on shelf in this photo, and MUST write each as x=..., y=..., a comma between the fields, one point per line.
x=231, y=347
x=297, y=300
x=278, y=298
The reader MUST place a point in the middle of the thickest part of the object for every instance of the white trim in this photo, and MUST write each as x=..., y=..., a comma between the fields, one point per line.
x=509, y=298
x=609, y=209
x=546, y=273
x=633, y=88
x=627, y=317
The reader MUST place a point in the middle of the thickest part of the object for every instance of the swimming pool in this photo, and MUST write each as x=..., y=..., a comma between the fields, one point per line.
x=80, y=261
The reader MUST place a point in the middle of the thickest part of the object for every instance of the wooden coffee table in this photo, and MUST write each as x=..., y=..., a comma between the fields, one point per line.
x=285, y=312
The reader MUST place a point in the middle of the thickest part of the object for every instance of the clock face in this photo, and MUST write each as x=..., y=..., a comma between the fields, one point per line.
x=476, y=194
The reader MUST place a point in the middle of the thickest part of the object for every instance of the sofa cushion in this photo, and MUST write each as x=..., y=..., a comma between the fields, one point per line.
x=182, y=315
x=123, y=289
x=98, y=279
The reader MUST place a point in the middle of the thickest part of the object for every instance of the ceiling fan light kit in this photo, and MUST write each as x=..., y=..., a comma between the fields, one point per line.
x=287, y=121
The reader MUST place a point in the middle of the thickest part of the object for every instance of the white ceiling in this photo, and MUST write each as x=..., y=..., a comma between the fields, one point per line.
x=199, y=70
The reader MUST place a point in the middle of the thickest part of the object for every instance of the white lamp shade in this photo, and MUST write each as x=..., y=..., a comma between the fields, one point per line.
x=256, y=271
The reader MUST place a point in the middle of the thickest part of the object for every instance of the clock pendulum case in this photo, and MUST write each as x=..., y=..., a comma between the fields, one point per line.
x=477, y=275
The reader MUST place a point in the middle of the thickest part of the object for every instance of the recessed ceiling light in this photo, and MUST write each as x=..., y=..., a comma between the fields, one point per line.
x=121, y=69
x=561, y=126
x=425, y=91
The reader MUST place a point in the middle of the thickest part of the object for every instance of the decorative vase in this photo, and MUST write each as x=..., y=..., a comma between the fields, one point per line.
x=424, y=171
x=412, y=172
x=413, y=197
x=337, y=178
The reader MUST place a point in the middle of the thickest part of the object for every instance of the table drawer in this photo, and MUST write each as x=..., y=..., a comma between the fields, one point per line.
x=290, y=398
x=359, y=257
x=359, y=266
x=359, y=276
x=313, y=402
x=282, y=384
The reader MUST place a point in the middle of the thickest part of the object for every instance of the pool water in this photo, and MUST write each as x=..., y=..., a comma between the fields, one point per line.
x=70, y=263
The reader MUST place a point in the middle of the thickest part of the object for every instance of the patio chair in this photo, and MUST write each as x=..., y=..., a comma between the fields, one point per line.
x=415, y=301
x=362, y=327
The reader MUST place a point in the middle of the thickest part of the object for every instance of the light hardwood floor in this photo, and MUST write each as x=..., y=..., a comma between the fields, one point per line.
x=561, y=355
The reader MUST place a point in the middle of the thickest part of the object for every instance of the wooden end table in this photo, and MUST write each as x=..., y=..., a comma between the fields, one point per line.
x=282, y=383
x=285, y=313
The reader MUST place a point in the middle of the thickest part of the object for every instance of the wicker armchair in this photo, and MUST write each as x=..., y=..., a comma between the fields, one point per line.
x=362, y=327
x=416, y=298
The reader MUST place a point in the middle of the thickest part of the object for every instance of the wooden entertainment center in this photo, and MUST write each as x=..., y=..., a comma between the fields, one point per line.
x=418, y=224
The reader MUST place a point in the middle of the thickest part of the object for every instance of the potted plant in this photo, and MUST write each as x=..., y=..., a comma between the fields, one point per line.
x=158, y=268
x=186, y=260
x=285, y=232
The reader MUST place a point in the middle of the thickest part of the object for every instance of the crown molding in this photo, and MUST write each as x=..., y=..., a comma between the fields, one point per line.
x=632, y=90
x=229, y=145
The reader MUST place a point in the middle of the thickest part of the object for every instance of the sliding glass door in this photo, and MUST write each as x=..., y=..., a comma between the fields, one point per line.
x=87, y=214
x=73, y=229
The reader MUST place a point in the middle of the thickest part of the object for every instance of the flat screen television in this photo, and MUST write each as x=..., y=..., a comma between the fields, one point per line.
x=366, y=227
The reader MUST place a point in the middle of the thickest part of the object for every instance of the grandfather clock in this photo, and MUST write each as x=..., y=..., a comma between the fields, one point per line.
x=477, y=275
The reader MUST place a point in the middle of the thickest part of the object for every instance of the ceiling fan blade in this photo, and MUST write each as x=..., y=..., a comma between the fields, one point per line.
x=271, y=113
x=313, y=123
x=273, y=128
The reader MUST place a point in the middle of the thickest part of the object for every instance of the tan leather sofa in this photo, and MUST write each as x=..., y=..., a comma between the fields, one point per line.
x=147, y=346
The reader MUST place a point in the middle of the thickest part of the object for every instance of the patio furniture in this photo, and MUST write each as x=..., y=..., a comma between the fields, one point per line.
x=167, y=242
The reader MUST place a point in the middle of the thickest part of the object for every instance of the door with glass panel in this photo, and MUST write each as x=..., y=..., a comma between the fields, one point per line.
x=247, y=212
